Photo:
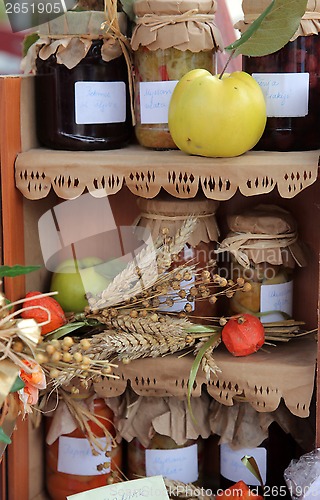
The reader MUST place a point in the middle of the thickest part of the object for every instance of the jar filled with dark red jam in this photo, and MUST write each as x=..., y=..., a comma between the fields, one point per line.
x=290, y=81
x=85, y=106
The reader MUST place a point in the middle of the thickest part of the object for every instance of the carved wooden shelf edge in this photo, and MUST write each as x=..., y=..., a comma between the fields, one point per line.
x=262, y=379
x=145, y=172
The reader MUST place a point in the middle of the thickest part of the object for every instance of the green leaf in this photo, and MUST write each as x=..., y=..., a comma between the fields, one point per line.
x=12, y=271
x=252, y=466
x=127, y=6
x=28, y=41
x=271, y=30
x=18, y=384
x=4, y=437
x=197, y=328
x=195, y=367
x=65, y=330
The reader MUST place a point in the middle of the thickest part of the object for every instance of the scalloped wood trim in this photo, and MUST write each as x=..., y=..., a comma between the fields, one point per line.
x=262, y=379
x=70, y=173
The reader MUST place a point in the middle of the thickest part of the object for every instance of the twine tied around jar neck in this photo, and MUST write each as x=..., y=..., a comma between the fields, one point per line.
x=157, y=21
x=236, y=243
x=111, y=25
x=151, y=216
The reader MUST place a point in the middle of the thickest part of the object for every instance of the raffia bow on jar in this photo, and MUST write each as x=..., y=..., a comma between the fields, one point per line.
x=169, y=39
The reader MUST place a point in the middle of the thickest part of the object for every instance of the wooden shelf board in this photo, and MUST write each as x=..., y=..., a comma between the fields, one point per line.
x=144, y=171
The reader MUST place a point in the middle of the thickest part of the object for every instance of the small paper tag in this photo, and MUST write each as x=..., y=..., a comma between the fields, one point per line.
x=232, y=468
x=151, y=488
x=100, y=102
x=154, y=101
x=286, y=94
x=180, y=464
x=276, y=298
x=75, y=457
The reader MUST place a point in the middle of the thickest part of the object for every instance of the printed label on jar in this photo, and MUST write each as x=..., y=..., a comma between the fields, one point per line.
x=154, y=101
x=100, y=102
x=286, y=94
x=75, y=457
x=276, y=298
x=233, y=469
x=180, y=464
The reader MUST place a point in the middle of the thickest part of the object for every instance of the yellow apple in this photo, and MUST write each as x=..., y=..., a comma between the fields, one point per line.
x=73, y=279
x=216, y=117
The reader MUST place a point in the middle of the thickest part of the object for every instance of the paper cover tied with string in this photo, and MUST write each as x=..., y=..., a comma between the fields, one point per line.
x=263, y=248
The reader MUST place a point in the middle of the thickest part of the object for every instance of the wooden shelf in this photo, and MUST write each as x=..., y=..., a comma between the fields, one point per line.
x=70, y=173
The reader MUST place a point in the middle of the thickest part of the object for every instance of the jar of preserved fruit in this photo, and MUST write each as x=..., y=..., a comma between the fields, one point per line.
x=166, y=213
x=272, y=457
x=164, y=457
x=169, y=40
x=263, y=249
x=81, y=84
x=71, y=467
x=290, y=80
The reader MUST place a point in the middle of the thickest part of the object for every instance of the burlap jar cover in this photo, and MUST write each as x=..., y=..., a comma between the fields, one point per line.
x=188, y=25
x=266, y=233
x=309, y=24
x=159, y=213
x=70, y=37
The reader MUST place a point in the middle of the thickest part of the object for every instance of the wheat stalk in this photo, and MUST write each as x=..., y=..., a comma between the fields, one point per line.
x=143, y=341
x=142, y=272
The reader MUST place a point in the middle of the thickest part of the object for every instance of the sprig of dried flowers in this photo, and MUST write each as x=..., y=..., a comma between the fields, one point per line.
x=127, y=320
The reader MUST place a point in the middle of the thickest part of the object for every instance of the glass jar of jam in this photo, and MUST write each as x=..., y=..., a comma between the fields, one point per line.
x=168, y=213
x=164, y=457
x=82, y=90
x=168, y=41
x=71, y=467
x=263, y=249
x=290, y=81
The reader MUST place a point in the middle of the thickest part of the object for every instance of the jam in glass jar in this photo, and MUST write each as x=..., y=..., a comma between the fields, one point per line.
x=290, y=81
x=81, y=86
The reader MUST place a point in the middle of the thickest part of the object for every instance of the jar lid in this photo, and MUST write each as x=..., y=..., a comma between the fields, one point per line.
x=167, y=212
x=309, y=23
x=265, y=233
x=188, y=25
x=70, y=37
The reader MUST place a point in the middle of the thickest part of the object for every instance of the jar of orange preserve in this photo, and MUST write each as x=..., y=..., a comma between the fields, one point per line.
x=71, y=467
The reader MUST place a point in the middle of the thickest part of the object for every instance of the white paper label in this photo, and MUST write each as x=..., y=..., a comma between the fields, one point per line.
x=154, y=101
x=276, y=298
x=180, y=464
x=233, y=469
x=179, y=304
x=150, y=488
x=100, y=102
x=75, y=457
x=286, y=94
